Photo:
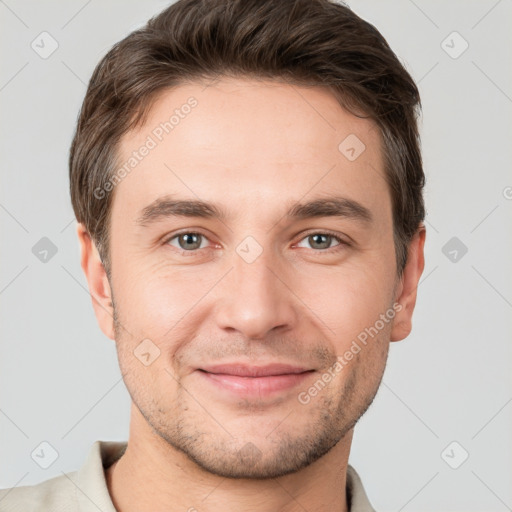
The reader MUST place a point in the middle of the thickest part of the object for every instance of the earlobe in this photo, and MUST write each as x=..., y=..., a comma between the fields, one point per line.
x=407, y=289
x=99, y=286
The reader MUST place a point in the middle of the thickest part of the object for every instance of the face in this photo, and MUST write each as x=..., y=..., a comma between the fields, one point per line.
x=239, y=324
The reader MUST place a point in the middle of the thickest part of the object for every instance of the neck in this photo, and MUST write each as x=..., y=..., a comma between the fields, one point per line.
x=152, y=475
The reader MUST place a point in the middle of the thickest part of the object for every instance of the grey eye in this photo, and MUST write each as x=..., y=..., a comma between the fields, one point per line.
x=320, y=240
x=188, y=241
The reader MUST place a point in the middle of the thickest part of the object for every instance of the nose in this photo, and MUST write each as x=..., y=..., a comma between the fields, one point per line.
x=254, y=299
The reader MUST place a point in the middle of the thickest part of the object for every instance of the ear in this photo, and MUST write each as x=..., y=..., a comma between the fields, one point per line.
x=408, y=286
x=99, y=287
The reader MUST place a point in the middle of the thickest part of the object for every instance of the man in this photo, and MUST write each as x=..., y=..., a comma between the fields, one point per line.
x=216, y=147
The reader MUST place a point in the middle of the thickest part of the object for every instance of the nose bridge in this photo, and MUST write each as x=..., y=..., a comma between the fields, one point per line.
x=253, y=299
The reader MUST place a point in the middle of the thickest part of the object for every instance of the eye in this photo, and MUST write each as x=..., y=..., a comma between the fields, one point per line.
x=189, y=241
x=323, y=241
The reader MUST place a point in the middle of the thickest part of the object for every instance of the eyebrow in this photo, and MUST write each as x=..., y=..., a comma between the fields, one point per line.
x=331, y=206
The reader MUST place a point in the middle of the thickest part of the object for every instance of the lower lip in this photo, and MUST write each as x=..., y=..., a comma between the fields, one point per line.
x=256, y=386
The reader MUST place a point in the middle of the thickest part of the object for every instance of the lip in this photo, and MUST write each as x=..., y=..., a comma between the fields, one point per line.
x=245, y=370
x=254, y=381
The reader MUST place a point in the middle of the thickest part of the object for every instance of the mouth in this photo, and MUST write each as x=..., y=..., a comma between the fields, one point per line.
x=254, y=381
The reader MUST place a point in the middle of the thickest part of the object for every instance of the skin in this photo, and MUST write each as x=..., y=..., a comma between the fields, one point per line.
x=255, y=148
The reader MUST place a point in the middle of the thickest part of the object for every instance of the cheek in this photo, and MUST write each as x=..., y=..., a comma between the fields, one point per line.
x=345, y=300
x=156, y=300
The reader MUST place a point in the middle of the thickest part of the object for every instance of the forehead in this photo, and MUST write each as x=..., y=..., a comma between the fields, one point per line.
x=247, y=144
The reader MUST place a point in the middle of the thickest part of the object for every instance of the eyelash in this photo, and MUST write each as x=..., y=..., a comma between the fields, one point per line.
x=331, y=250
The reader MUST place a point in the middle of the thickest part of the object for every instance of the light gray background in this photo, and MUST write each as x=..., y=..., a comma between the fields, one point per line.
x=449, y=381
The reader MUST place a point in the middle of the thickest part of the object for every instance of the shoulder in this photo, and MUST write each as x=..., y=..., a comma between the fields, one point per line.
x=357, y=498
x=57, y=494
x=82, y=490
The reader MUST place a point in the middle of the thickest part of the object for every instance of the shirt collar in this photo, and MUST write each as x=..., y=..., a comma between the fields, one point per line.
x=92, y=491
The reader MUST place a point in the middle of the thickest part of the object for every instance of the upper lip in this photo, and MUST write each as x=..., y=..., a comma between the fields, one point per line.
x=244, y=370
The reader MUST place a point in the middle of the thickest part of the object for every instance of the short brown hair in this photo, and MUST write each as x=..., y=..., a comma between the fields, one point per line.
x=302, y=42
